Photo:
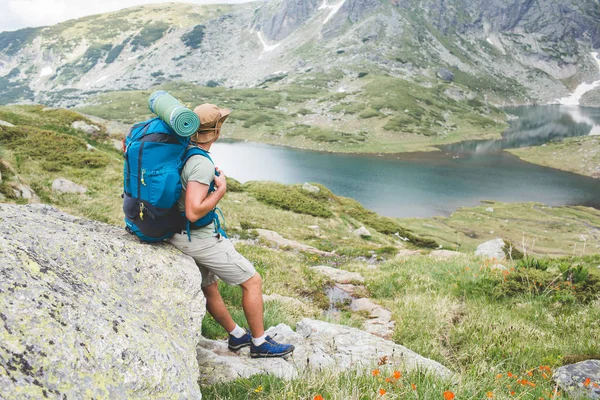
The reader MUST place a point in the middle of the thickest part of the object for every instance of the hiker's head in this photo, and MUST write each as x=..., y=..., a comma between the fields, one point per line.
x=212, y=119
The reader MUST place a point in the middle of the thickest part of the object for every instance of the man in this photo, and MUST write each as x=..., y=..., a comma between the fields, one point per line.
x=214, y=254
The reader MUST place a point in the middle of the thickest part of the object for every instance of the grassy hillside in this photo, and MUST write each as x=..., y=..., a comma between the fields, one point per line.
x=330, y=112
x=502, y=331
x=580, y=155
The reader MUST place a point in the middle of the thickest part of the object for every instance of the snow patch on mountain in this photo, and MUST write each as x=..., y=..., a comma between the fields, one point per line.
x=334, y=9
x=575, y=97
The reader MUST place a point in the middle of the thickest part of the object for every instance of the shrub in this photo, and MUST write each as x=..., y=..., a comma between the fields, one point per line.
x=52, y=149
x=533, y=263
x=114, y=53
x=193, y=39
x=234, y=186
x=150, y=34
x=539, y=282
x=288, y=198
x=369, y=113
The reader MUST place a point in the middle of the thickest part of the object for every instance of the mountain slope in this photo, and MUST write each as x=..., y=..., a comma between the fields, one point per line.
x=395, y=69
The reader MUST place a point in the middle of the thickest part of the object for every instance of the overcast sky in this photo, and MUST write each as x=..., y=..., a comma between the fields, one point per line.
x=17, y=14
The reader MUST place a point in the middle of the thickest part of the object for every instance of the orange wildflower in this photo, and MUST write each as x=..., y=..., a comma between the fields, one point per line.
x=531, y=384
x=498, y=376
x=375, y=372
x=382, y=392
x=529, y=373
x=595, y=385
x=587, y=382
x=397, y=374
x=490, y=395
x=512, y=393
x=413, y=386
x=509, y=374
x=318, y=397
x=544, y=375
x=448, y=395
x=388, y=380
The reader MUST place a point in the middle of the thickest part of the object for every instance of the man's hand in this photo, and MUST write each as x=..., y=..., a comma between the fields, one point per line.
x=221, y=181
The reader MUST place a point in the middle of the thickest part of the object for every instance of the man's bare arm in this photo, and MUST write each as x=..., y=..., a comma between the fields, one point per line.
x=198, y=202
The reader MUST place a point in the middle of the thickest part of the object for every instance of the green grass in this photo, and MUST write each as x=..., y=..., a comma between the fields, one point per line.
x=477, y=320
x=532, y=227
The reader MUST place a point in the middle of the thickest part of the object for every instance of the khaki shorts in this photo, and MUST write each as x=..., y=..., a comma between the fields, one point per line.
x=215, y=257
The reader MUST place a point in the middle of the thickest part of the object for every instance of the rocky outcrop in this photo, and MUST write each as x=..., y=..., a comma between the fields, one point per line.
x=581, y=380
x=277, y=21
x=280, y=241
x=319, y=345
x=82, y=316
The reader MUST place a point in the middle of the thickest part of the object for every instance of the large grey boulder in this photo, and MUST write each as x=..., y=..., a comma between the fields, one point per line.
x=7, y=124
x=89, y=312
x=319, y=346
x=581, y=380
x=492, y=249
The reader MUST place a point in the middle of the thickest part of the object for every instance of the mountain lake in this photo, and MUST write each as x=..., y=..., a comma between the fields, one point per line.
x=434, y=183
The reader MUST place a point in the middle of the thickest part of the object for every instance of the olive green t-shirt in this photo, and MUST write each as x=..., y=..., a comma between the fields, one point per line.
x=197, y=169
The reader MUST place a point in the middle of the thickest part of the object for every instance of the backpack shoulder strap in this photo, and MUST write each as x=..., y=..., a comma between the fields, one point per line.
x=196, y=151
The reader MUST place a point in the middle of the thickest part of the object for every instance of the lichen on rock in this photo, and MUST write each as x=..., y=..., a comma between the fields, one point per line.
x=89, y=311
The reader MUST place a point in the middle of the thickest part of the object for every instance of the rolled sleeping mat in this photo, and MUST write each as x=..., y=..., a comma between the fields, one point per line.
x=181, y=119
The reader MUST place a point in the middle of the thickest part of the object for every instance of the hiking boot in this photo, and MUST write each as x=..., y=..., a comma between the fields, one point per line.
x=235, y=344
x=270, y=348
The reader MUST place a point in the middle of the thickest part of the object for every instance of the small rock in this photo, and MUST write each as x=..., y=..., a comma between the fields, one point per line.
x=7, y=124
x=25, y=192
x=362, y=232
x=314, y=227
x=310, y=188
x=490, y=209
x=85, y=127
x=339, y=275
x=89, y=147
x=491, y=249
x=445, y=74
x=571, y=379
x=363, y=305
x=63, y=185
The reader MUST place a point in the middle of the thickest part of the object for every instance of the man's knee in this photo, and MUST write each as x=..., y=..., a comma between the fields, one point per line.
x=253, y=283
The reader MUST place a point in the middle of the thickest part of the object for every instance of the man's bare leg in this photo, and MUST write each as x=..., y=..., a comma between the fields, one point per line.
x=216, y=307
x=252, y=302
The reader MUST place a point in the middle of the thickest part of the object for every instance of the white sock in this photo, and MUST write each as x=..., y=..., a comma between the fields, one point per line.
x=257, y=341
x=237, y=332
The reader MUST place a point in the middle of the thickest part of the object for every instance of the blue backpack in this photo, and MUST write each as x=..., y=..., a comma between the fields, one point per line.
x=154, y=157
